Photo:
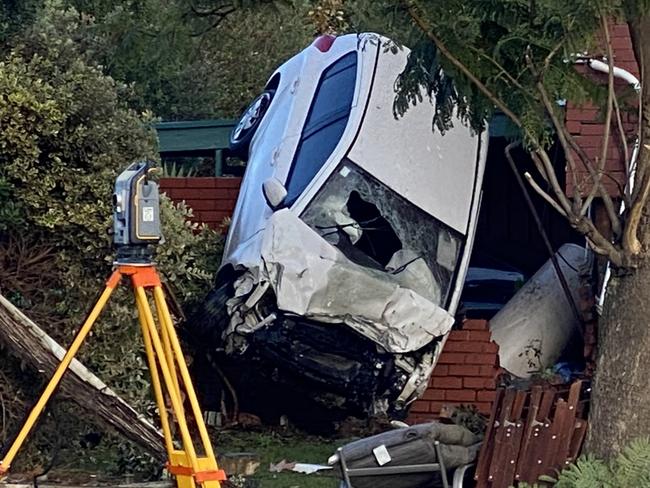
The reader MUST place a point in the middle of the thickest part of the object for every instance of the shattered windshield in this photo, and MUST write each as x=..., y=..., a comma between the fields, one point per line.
x=377, y=228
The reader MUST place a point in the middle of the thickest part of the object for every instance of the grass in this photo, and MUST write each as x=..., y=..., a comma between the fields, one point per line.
x=74, y=465
x=273, y=447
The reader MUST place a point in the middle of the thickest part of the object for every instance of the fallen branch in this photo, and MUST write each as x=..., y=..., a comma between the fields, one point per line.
x=24, y=339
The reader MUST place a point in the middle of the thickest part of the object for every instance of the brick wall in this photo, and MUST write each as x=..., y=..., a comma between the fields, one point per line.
x=212, y=199
x=465, y=374
x=585, y=122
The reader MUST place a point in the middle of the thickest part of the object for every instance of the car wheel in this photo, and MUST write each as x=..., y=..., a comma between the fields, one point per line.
x=205, y=327
x=242, y=134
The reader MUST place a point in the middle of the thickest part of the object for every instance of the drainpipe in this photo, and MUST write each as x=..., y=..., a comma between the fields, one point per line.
x=632, y=80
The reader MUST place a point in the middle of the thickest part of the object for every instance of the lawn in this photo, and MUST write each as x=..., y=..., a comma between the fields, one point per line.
x=73, y=465
x=272, y=447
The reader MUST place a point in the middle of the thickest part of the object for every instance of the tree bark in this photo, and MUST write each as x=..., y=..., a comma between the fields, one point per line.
x=621, y=391
x=31, y=344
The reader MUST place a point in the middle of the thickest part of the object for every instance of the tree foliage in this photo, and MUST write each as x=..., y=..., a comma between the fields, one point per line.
x=66, y=132
x=189, y=60
x=516, y=57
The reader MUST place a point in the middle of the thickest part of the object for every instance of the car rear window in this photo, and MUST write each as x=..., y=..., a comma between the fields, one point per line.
x=326, y=121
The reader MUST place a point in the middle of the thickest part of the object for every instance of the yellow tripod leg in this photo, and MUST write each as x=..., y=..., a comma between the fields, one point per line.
x=169, y=354
x=58, y=374
x=210, y=474
x=141, y=297
x=155, y=381
x=166, y=323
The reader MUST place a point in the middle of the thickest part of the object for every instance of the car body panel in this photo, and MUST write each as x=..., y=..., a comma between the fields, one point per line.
x=435, y=170
x=274, y=145
x=373, y=249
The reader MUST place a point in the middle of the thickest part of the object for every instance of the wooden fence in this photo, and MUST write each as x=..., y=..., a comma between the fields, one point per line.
x=532, y=433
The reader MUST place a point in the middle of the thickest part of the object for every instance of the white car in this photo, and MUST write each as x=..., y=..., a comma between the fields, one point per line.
x=349, y=244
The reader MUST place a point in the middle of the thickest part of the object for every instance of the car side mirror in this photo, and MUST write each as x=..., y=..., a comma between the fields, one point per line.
x=274, y=192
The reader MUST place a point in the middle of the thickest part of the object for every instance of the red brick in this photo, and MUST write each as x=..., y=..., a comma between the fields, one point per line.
x=226, y=182
x=447, y=382
x=486, y=396
x=625, y=55
x=465, y=346
x=483, y=407
x=581, y=114
x=592, y=130
x=166, y=183
x=574, y=126
x=492, y=347
x=435, y=407
x=621, y=45
x=591, y=142
x=460, y=395
x=464, y=370
x=421, y=406
x=224, y=205
x=620, y=30
x=488, y=371
x=440, y=370
x=210, y=216
x=458, y=335
x=433, y=394
x=481, y=358
x=183, y=193
x=475, y=325
x=201, y=182
x=201, y=204
x=480, y=335
x=451, y=358
x=479, y=383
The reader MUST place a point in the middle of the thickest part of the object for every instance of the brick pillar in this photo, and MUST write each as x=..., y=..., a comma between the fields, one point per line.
x=466, y=374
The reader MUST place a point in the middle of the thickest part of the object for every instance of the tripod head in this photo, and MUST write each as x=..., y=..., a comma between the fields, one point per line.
x=136, y=214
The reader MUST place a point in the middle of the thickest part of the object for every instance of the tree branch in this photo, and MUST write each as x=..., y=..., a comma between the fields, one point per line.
x=577, y=200
x=588, y=164
x=544, y=195
x=501, y=69
x=642, y=180
x=608, y=118
x=422, y=24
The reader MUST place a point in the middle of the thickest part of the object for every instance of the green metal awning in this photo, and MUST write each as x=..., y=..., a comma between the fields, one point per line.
x=194, y=135
x=195, y=138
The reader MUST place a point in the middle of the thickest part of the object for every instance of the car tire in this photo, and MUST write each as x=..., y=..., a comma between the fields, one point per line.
x=242, y=134
x=206, y=326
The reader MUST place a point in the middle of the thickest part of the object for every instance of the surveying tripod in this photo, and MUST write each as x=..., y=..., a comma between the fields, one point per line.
x=164, y=354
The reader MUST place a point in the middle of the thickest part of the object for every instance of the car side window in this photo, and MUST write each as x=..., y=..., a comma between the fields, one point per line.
x=325, y=124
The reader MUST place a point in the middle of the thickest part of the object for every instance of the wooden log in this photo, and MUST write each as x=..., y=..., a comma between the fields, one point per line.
x=25, y=340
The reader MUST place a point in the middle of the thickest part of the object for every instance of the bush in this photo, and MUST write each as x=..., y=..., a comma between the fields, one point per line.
x=65, y=134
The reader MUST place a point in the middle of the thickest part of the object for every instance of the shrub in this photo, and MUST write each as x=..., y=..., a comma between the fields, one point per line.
x=65, y=134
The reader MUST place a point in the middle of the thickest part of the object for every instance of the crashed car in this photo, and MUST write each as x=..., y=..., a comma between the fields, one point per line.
x=350, y=240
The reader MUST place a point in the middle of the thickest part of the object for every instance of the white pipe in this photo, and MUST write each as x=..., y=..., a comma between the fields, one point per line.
x=621, y=73
x=625, y=75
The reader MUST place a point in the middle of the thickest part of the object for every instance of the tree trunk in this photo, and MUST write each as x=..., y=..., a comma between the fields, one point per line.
x=27, y=341
x=621, y=395
x=621, y=391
